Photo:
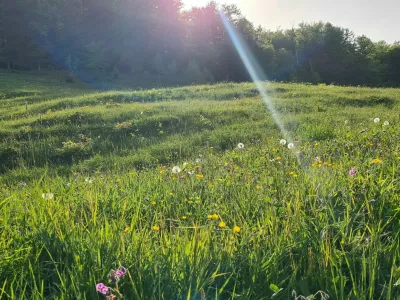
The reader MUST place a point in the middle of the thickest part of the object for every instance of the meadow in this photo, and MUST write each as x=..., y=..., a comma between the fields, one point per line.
x=192, y=193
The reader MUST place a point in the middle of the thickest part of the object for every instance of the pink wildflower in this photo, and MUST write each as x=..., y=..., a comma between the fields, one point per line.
x=352, y=172
x=102, y=288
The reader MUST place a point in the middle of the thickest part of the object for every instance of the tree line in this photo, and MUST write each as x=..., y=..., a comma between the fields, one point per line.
x=156, y=40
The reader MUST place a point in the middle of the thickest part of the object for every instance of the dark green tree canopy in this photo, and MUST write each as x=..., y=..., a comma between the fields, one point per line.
x=155, y=40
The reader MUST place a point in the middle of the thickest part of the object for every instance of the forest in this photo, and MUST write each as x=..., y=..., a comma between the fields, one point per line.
x=147, y=41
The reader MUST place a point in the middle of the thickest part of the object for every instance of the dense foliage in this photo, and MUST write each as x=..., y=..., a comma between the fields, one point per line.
x=156, y=41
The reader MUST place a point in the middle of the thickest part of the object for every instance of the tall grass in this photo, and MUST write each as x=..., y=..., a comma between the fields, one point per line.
x=304, y=225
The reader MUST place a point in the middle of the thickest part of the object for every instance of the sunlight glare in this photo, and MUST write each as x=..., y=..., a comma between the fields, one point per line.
x=256, y=73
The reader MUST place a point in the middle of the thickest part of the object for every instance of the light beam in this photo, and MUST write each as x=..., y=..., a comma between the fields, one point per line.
x=256, y=73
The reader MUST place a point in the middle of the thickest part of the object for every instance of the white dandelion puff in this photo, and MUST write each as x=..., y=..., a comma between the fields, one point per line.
x=282, y=142
x=386, y=123
x=240, y=146
x=176, y=170
x=88, y=180
x=48, y=196
x=377, y=120
x=346, y=122
x=290, y=146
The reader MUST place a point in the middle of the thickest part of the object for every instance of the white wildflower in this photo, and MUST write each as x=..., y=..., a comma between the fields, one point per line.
x=48, y=196
x=176, y=170
x=240, y=146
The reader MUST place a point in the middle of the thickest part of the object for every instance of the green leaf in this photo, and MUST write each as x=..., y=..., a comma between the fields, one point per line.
x=274, y=288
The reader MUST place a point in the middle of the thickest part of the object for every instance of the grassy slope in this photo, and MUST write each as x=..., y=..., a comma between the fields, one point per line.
x=313, y=229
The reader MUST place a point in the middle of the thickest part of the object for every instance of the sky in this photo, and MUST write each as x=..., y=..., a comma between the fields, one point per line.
x=378, y=20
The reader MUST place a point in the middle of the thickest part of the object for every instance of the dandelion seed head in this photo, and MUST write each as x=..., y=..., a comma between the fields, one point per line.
x=377, y=120
x=290, y=146
x=386, y=123
x=240, y=146
x=282, y=142
x=176, y=170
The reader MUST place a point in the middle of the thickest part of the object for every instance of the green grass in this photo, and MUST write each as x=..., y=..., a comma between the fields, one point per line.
x=305, y=224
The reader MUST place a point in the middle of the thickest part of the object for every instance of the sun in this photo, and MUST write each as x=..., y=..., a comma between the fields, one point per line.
x=192, y=3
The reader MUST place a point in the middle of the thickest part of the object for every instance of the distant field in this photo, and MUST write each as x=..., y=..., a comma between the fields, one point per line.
x=88, y=184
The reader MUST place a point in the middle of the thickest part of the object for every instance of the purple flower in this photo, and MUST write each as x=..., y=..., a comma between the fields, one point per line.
x=352, y=172
x=121, y=271
x=102, y=288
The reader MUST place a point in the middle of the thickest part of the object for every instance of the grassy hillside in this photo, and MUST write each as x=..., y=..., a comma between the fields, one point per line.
x=88, y=185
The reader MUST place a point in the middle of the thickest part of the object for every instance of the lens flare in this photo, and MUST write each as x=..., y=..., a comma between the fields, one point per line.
x=256, y=73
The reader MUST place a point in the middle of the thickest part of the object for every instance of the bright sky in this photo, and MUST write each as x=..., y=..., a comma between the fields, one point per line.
x=379, y=20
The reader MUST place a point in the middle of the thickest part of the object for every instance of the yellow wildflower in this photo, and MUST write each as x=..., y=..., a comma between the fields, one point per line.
x=232, y=238
x=153, y=203
x=215, y=217
x=236, y=229
x=156, y=228
x=210, y=217
x=258, y=187
x=278, y=158
x=199, y=176
x=127, y=229
x=222, y=225
x=376, y=161
x=184, y=217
